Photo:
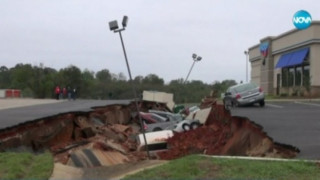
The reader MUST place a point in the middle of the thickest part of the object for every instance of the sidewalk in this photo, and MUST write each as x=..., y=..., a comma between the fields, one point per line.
x=6, y=103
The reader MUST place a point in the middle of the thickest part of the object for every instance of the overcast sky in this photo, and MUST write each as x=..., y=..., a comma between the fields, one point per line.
x=160, y=38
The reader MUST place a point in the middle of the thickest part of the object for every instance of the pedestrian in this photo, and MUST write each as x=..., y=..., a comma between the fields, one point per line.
x=69, y=90
x=61, y=94
x=57, y=92
x=64, y=93
x=74, y=93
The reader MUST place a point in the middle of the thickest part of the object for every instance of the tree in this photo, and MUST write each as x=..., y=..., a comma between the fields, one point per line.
x=22, y=76
x=153, y=79
x=5, y=79
x=138, y=80
x=103, y=76
x=223, y=86
x=70, y=76
x=88, y=85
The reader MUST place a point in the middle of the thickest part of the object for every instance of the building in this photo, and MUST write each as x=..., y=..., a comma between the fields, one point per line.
x=288, y=64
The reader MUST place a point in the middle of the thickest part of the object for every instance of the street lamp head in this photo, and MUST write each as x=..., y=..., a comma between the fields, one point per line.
x=199, y=58
x=113, y=25
x=125, y=21
x=194, y=56
x=245, y=52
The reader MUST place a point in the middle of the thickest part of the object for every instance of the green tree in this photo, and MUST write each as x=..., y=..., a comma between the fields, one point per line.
x=5, y=79
x=103, y=76
x=153, y=79
x=22, y=75
x=221, y=87
x=42, y=82
x=88, y=84
x=70, y=76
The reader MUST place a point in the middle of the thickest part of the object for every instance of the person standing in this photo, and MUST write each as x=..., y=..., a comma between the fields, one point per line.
x=74, y=93
x=64, y=91
x=69, y=90
x=57, y=92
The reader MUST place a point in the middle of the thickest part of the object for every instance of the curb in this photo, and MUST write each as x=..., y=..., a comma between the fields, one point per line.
x=262, y=158
x=292, y=100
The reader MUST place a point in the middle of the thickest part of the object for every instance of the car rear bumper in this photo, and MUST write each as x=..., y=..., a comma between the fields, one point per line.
x=251, y=100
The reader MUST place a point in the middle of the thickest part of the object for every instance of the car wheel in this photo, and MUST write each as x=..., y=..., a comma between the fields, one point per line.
x=235, y=104
x=194, y=125
x=262, y=103
x=186, y=127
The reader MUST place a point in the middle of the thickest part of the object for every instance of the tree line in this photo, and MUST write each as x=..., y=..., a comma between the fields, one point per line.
x=38, y=81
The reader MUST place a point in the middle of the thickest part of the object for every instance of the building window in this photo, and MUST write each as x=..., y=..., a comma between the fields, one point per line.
x=298, y=76
x=291, y=77
x=306, y=76
x=284, y=77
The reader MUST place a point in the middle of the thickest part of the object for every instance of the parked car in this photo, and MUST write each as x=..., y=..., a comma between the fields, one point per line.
x=243, y=94
x=186, y=125
x=155, y=122
x=150, y=118
x=169, y=115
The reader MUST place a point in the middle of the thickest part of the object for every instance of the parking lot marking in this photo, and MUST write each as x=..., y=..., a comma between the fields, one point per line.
x=311, y=104
x=273, y=105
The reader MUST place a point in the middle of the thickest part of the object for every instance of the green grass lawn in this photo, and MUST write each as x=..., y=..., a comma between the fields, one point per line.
x=25, y=165
x=200, y=167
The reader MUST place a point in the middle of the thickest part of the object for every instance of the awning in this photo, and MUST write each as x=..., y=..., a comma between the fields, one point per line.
x=293, y=58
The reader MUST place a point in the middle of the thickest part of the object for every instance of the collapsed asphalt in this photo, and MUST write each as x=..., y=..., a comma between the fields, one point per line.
x=294, y=123
x=15, y=116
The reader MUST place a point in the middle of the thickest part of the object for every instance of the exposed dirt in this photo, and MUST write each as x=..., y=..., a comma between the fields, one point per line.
x=107, y=136
x=226, y=135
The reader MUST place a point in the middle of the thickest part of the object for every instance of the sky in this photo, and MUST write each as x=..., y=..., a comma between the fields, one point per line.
x=160, y=37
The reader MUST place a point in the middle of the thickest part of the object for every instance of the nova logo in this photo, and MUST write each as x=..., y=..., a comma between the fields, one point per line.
x=302, y=19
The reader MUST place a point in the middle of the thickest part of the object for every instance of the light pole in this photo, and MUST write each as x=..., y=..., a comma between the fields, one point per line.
x=115, y=28
x=195, y=59
x=247, y=54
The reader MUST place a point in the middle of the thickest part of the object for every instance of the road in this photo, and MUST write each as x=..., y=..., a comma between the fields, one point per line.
x=13, y=116
x=294, y=123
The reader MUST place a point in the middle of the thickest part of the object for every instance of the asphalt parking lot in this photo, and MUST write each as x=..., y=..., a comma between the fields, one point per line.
x=11, y=116
x=295, y=123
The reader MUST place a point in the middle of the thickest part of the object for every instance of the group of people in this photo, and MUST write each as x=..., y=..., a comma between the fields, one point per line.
x=63, y=93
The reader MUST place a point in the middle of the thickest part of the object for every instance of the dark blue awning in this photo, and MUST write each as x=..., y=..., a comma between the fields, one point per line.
x=293, y=58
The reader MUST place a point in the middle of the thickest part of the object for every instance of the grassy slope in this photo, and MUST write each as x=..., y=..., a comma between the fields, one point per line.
x=198, y=167
x=25, y=165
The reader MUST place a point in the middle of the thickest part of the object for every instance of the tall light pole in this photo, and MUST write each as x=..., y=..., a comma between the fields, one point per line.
x=115, y=28
x=247, y=54
x=195, y=59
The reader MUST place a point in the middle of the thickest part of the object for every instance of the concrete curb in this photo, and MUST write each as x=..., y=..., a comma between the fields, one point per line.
x=262, y=158
x=292, y=100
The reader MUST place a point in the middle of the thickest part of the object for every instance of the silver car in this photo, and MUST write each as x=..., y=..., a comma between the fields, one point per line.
x=168, y=115
x=243, y=94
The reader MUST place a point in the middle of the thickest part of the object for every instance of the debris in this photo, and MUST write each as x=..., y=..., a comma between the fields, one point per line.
x=95, y=157
x=62, y=171
x=225, y=135
x=112, y=135
x=159, y=97
x=116, y=147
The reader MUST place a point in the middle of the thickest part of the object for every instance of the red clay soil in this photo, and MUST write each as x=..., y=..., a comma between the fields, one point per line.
x=225, y=135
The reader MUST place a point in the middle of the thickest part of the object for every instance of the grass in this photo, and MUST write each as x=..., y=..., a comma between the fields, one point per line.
x=199, y=167
x=25, y=165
